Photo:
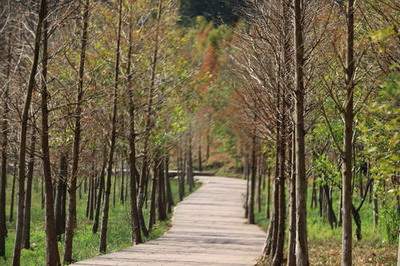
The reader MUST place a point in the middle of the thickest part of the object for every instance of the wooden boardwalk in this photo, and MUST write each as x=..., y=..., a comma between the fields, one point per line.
x=208, y=228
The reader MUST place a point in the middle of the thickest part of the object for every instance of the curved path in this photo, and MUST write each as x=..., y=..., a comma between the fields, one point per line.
x=208, y=228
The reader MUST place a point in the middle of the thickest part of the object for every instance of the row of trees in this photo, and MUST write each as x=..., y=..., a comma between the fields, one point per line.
x=89, y=88
x=304, y=73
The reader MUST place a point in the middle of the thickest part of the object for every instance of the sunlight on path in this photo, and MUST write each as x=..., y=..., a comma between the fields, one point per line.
x=208, y=228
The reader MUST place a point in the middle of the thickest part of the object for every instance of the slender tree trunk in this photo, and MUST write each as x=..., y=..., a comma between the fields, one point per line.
x=199, y=155
x=28, y=195
x=181, y=174
x=104, y=223
x=348, y=140
x=208, y=144
x=170, y=199
x=162, y=213
x=121, y=195
x=71, y=218
x=268, y=211
x=23, y=135
x=89, y=196
x=247, y=176
x=357, y=220
x=253, y=177
x=42, y=192
x=278, y=254
x=134, y=175
x=114, y=189
x=100, y=191
x=148, y=122
x=152, y=219
x=259, y=184
x=11, y=216
x=4, y=149
x=61, y=194
x=314, y=194
x=330, y=212
x=189, y=160
x=301, y=181
x=52, y=255
x=291, y=259
x=92, y=195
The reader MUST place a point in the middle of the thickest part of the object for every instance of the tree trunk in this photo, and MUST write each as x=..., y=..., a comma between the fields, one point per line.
x=170, y=199
x=11, y=217
x=291, y=261
x=330, y=212
x=152, y=219
x=253, y=177
x=199, y=155
x=181, y=174
x=162, y=213
x=89, y=196
x=100, y=191
x=148, y=119
x=23, y=135
x=42, y=192
x=134, y=175
x=114, y=189
x=121, y=195
x=274, y=229
x=348, y=140
x=92, y=195
x=71, y=218
x=104, y=223
x=259, y=184
x=268, y=211
x=28, y=195
x=301, y=181
x=314, y=194
x=61, y=195
x=208, y=143
x=189, y=160
x=281, y=211
x=357, y=220
x=4, y=148
x=247, y=176
x=52, y=255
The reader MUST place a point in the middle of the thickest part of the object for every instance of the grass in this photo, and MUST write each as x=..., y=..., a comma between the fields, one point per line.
x=86, y=244
x=325, y=243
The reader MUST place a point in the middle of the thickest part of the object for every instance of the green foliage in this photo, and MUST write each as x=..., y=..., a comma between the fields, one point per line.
x=326, y=171
x=391, y=222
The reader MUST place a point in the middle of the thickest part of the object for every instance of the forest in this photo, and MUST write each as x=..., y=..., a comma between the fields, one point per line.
x=113, y=112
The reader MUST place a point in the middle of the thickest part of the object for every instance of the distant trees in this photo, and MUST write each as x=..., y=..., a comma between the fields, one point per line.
x=277, y=68
x=219, y=11
x=24, y=130
x=81, y=132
